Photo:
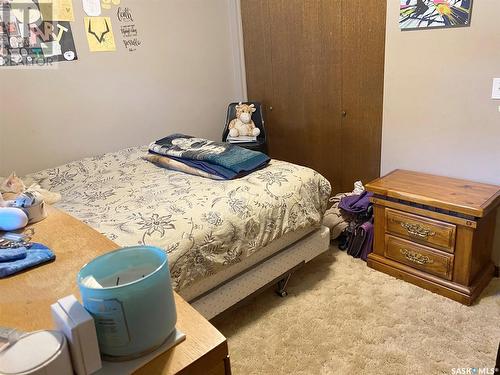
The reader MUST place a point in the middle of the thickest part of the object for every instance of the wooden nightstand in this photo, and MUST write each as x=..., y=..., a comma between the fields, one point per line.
x=435, y=232
x=25, y=298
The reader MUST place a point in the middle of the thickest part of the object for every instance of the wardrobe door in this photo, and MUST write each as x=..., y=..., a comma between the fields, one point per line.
x=363, y=30
x=304, y=63
x=257, y=47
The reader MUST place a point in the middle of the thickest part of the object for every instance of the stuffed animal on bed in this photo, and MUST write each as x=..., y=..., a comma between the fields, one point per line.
x=243, y=125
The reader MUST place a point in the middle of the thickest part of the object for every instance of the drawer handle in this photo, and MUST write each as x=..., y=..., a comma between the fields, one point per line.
x=417, y=230
x=415, y=257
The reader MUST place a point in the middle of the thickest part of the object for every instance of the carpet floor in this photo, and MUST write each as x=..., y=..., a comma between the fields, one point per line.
x=341, y=317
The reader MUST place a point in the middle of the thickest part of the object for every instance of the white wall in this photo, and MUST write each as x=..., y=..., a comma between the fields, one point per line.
x=180, y=80
x=438, y=113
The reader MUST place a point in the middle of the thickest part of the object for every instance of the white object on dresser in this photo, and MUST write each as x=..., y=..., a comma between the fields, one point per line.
x=37, y=353
x=129, y=367
x=71, y=318
x=12, y=219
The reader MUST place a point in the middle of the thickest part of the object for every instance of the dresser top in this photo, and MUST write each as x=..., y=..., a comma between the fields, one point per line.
x=466, y=197
x=26, y=297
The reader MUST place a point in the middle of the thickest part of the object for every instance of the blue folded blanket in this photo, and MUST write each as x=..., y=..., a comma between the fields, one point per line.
x=205, y=166
x=35, y=255
x=226, y=159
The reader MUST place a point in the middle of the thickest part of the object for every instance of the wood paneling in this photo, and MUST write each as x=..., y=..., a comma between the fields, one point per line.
x=363, y=54
x=302, y=75
x=380, y=229
x=304, y=124
x=257, y=45
x=463, y=252
x=483, y=244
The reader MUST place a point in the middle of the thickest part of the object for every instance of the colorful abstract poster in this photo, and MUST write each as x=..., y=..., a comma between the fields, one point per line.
x=27, y=39
x=100, y=34
x=415, y=14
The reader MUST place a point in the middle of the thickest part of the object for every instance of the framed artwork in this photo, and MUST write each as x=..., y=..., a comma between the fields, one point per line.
x=417, y=14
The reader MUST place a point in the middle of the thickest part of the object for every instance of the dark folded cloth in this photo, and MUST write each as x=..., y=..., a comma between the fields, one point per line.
x=356, y=204
x=35, y=255
x=225, y=155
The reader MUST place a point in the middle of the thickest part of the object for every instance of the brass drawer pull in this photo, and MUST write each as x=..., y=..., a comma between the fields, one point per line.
x=415, y=257
x=417, y=230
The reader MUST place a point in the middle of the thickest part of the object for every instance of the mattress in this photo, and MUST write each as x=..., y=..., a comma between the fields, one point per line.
x=207, y=284
x=204, y=225
x=244, y=285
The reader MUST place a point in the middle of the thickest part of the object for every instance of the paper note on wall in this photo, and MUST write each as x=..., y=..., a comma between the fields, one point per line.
x=22, y=10
x=57, y=10
x=107, y=4
x=51, y=49
x=100, y=34
x=92, y=7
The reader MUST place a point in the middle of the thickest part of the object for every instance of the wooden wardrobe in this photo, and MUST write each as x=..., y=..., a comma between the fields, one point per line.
x=318, y=68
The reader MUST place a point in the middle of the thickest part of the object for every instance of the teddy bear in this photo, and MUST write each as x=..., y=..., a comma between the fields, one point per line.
x=243, y=125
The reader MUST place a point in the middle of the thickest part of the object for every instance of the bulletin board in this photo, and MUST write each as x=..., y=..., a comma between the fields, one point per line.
x=39, y=33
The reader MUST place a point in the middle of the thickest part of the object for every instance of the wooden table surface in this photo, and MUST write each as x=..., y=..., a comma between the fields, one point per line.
x=25, y=298
x=467, y=197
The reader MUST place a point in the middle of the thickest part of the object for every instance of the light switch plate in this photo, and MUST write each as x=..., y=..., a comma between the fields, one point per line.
x=495, y=93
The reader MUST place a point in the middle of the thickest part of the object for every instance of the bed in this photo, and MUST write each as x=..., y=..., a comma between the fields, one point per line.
x=225, y=239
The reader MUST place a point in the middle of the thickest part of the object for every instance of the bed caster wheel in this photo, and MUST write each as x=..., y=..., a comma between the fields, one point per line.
x=281, y=287
x=282, y=293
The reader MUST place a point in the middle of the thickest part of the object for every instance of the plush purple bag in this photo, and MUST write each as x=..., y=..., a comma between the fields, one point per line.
x=367, y=247
x=361, y=242
x=355, y=204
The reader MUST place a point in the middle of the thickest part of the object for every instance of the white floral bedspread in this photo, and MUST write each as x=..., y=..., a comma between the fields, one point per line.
x=204, y=225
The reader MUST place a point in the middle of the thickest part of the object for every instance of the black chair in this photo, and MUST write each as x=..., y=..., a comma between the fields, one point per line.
x=261, y=144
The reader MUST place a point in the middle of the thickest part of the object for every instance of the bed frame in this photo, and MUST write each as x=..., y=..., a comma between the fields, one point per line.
x=273, y=270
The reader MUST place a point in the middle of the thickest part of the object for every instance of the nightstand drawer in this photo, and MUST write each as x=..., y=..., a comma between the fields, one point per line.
x=421, y=229
x=420, y=257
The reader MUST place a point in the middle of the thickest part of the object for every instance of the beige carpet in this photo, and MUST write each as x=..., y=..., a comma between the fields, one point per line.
x=343, y=318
